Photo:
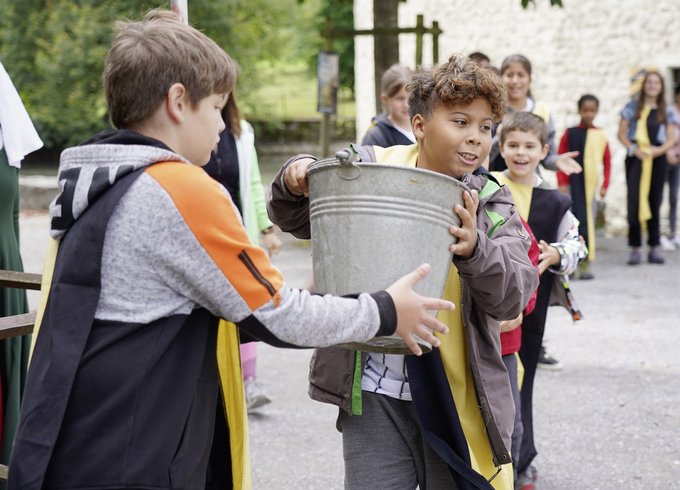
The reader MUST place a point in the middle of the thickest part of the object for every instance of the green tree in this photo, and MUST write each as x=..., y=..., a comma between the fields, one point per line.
x=338, y=15
x=55, y=49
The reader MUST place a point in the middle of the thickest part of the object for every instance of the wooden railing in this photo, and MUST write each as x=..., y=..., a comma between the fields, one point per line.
x=14, y=326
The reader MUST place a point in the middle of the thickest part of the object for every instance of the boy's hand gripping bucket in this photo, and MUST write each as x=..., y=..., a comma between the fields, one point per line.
x=373, y=223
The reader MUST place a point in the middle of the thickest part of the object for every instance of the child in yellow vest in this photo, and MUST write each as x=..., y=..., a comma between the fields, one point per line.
x=524, y=143
x=593, y=152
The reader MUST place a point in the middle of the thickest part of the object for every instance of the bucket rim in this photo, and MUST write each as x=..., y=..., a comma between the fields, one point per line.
x=326, y=163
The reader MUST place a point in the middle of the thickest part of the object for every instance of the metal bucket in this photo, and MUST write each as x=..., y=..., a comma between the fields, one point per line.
x=372, y=223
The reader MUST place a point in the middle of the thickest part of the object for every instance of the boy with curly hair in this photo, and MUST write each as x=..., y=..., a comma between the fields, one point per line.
x=443, y=420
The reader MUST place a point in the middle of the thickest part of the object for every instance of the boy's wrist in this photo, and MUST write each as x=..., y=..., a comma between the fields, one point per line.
x=387, y=312
x=561, y=263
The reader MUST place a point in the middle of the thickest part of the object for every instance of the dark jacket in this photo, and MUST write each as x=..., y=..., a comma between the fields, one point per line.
x=383, y=133
x=93, y=359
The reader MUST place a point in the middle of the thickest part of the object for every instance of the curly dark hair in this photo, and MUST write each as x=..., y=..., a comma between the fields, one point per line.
x=459, y=81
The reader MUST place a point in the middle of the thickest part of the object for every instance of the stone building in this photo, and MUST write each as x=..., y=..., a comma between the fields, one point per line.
x=588, y=46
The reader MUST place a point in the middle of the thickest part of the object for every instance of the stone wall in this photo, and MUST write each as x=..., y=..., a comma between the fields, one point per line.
x=587, y=46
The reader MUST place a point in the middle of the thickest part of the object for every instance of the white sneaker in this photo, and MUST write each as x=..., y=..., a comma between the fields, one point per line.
x=676, y=241
x=666, y=243
x=255, y=395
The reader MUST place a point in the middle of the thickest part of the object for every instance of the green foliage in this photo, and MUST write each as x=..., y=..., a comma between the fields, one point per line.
x=54, y=51
x=338, y=15
x=67, y=99
x=291, y=94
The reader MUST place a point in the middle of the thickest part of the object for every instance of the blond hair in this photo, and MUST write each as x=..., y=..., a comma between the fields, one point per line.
x=147, y=57
x=459, y=81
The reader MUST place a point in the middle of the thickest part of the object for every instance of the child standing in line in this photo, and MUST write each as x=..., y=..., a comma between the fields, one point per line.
x=393, y=125
x=234, y=164
x=444, y=420
x=516, y=71
x=524, y=143
x=134, y=382
x=511, y=341
x=646, y=130
x=517, y=74
x=593, y=152
x=672, y=242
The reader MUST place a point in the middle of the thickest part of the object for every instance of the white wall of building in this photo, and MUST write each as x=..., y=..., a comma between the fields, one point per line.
x=588, y=46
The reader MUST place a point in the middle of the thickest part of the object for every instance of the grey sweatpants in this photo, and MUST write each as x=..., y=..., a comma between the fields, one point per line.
x=511, y=365
x=384, y=448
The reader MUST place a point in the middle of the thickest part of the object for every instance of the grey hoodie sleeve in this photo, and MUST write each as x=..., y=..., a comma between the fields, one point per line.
x=175, y=242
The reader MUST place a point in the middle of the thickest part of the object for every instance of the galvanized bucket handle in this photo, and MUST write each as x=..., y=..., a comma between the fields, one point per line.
x=349, y=170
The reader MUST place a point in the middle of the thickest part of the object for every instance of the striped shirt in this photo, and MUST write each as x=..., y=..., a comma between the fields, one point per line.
x=386, y=374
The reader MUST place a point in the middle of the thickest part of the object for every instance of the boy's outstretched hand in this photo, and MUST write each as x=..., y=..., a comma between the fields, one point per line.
x=567, y=165
x=467, y=232
x=412, y=316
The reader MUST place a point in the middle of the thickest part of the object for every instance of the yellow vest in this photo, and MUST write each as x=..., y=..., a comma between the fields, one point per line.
x=453, y=352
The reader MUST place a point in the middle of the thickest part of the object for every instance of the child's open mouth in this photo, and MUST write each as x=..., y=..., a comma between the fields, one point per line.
x=468, y=157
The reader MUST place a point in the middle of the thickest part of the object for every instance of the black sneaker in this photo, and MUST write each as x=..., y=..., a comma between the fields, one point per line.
x=655, y=257
x=546, y=361
x=584, y=272
x=635, y=258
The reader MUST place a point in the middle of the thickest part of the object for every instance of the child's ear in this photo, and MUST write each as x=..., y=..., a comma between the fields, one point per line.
x=176, y=102
x=383, y=101
x=418, y=126
x=546, y=149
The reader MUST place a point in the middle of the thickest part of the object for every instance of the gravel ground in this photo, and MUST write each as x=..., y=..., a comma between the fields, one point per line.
x=607, y=420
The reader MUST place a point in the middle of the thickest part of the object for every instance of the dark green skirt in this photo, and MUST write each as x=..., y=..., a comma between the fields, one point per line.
x=13, y=352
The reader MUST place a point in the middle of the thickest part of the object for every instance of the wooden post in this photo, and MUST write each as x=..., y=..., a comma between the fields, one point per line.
x=329, y=33
x=436, y=31
x=420, y=30
x=385, y=44
x=325, y=128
